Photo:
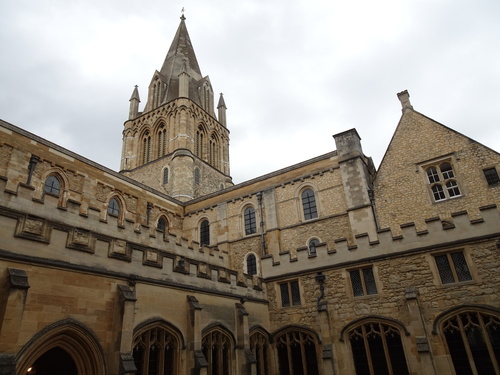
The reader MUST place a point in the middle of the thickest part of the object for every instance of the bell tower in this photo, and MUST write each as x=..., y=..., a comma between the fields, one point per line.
x=177, y=145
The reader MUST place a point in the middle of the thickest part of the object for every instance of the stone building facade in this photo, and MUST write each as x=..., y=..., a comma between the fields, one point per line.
x=329, y=266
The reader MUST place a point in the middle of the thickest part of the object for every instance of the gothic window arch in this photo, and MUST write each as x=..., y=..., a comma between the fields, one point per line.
x=66, y=338
x=260, y=347
x=156, y=350
x=251, y=266
x=217, y=347
x=146, y=147
x=309, y=206
x=377, y=347
x=52, y=185
x=213, y=155
x=204, y=233
x=162, y=140
x=297, y=351
x=162, y=225
x=312, y=245
x=114, y=207
x=249, y=220
x=199, y=144
x=472, y=337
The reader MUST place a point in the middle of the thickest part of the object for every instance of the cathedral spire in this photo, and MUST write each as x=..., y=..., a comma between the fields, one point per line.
x=134, y=104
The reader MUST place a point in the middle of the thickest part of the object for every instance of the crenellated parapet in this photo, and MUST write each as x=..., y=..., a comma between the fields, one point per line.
x=438, y=234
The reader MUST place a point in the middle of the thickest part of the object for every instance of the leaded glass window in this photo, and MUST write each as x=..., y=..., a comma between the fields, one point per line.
x=290, y=294
x=309, y=204
x=452, y=267
x=491, y=175
x=217, y=347
x=113, y=207
x=250, y=221
x=297, y=353
x=52, y=185
x=251, y=264
x=156, y=352
x=363, y=282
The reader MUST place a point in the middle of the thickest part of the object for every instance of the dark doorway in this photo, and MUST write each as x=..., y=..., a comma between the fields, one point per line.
x=56, y=361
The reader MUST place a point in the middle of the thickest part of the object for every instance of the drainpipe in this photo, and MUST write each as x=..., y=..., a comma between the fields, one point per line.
x=262, y=234
x=371, y=195
x=31, y=167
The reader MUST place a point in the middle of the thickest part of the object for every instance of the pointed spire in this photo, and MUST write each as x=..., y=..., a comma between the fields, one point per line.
x=134, y=104
x=221, y=109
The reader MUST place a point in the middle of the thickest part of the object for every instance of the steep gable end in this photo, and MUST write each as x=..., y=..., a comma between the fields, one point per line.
x=430, y=170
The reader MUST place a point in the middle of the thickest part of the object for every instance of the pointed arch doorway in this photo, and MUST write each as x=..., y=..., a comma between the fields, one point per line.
x=55, y=361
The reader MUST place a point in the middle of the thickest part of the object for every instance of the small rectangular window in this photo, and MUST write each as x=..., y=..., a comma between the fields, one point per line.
x=491, y=175
x=452, y=267
x=290, y=294
x=363, y=282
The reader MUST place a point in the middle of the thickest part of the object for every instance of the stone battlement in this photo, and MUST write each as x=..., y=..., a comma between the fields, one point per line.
x=87, y=243
x=438, y=234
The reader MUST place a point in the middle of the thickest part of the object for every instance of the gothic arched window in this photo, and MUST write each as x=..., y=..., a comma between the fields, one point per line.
x=473, y=340
x=251, y=264
x=312, y=246
x=162, y=225
x=297, y=353
x=146, y=148
x=259, y=345
x=250, y=221
x=377, y=349
x=309, y=204
x=198, y=147
x=114, y=207
x=52, y=185
x=204, y=233
x=156, y=352
x=165, y=176
x=162, y=141
x=217, y=349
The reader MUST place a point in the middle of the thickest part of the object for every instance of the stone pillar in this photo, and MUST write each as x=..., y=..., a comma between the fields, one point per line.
x=418, y=331
x=127, y=299
x=11, y=315
x=194, y=336
x=324, y=324
x=245, y=358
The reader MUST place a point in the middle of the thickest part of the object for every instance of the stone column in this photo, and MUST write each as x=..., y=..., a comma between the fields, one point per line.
x=324, y=324
x=127, y=299
x=246, y=360
x=417, y=330
x=194, y=336
x=12, y=319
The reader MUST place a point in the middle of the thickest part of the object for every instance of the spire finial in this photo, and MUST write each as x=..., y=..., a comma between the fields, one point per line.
x=182, y=14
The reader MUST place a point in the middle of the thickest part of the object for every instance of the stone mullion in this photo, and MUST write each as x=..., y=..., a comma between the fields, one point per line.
x=303, y=353
x=467, y=347
x=386, y=349
x=367, y=350
x=289, y=354
x=488, y=345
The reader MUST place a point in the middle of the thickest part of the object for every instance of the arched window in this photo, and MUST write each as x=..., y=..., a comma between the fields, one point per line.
x=309, y=204
x=312, y=246
x=146, y=148
x=217, y=349
x=196, y=176
x=377, y=349
x=113, y=207
x=165, y=176
x=259, y=345
x=473, y=340
x=297, y=353
x=162, y=141
x=251, y=264
x=162, y=225
x=156, y=352
x=52, y=186
x=250, y=221
x=198, y=150
x=442, y=180
x=204, y=233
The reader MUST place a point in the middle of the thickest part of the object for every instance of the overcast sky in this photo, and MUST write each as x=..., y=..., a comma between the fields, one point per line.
x=293, y=72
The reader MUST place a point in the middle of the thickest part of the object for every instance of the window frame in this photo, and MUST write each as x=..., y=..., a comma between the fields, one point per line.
x=492, y=179
x=442, y=180
x=166, y=176
x=452, y=267
x=204, y=232
x=53, y=177
x=293, y=297
x=249, y=221
x=360, y=271
x=312, y=245
x=213, y=339
x=255, y=267
x=110, y=210
x=308, y=203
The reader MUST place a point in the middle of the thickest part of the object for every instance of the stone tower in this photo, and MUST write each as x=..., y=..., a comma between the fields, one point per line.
x=176, y=144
